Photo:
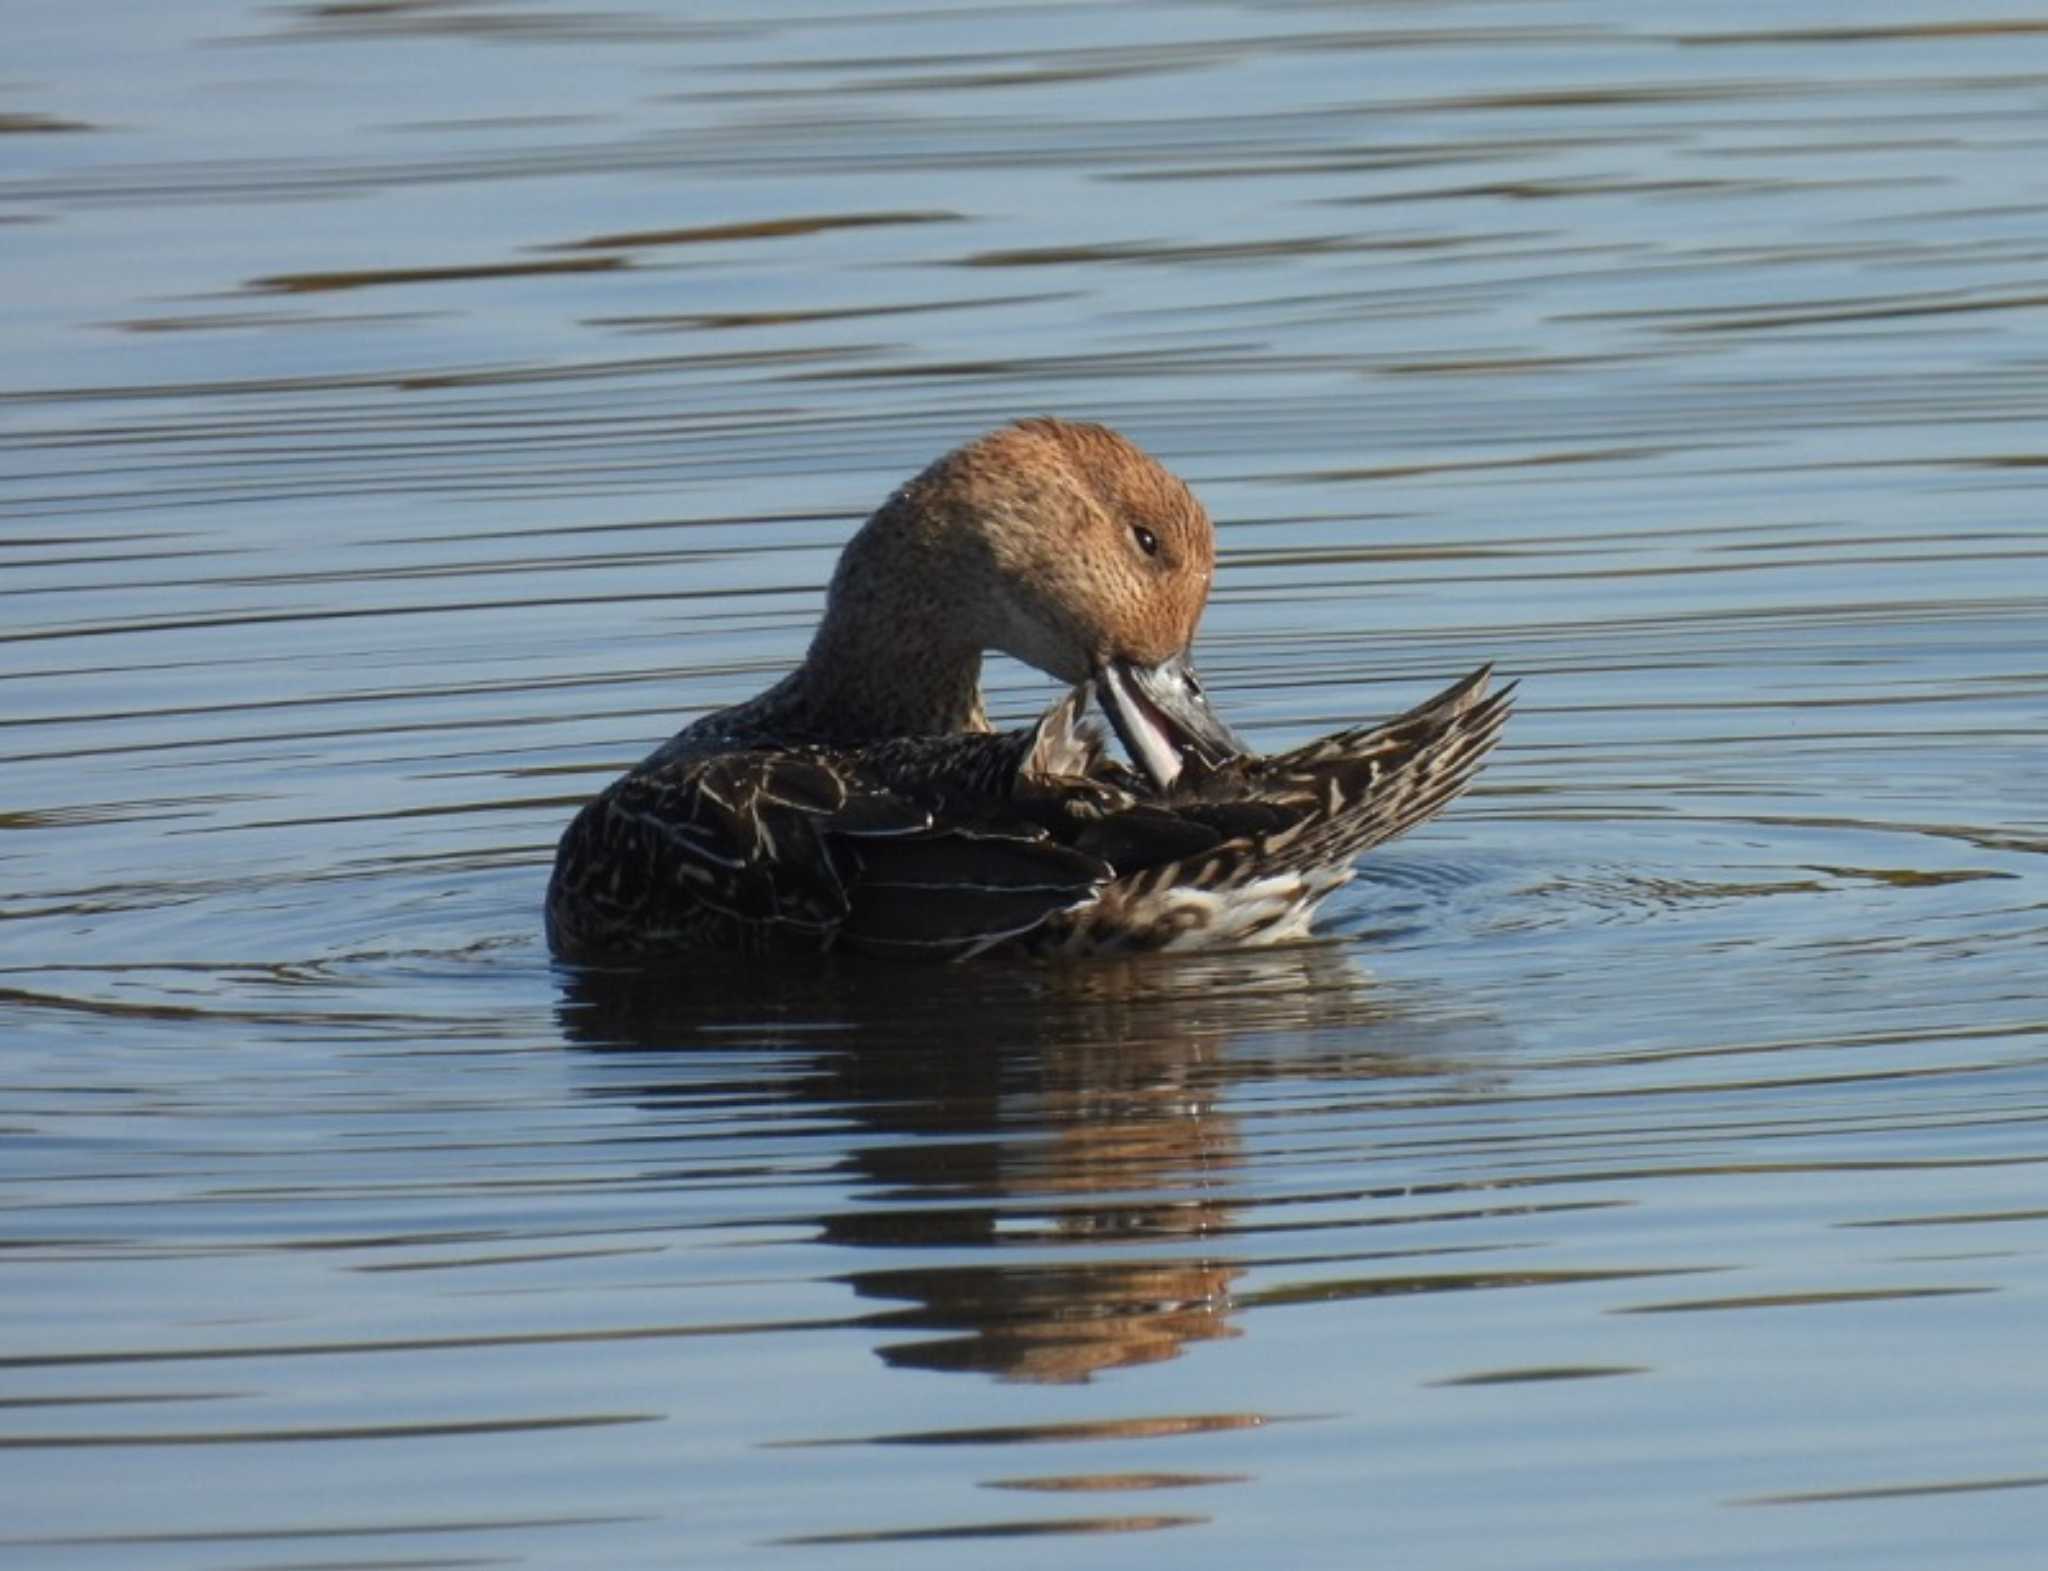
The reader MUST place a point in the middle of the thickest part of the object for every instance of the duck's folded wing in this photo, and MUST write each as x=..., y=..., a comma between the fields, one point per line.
x=953, y=893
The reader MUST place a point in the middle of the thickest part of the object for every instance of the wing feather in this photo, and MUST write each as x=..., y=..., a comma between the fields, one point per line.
x=1286, y=829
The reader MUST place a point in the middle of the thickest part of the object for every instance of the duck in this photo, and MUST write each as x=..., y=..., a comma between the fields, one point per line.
x=864, y=803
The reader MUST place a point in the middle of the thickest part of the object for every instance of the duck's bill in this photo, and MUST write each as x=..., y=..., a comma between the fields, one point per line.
x=1163, y=717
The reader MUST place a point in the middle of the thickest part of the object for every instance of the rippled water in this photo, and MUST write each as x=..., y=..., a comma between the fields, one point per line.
x=412, y=411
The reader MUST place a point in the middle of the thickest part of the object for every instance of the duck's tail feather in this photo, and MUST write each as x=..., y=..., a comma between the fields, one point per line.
x=1322, y=805
x=1378, y=782
x=1289, y=827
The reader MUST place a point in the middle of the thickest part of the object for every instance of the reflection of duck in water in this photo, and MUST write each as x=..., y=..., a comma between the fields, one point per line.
x=1035, y=1172
x=864, y=802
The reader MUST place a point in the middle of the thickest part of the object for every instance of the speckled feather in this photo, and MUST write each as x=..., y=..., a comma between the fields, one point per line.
x=1033, y=841
x=1289, y=828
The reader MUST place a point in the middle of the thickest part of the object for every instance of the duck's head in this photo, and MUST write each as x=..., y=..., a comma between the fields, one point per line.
x=1078, y=553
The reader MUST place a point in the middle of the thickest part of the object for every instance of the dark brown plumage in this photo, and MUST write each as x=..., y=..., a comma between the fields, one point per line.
x=1031, y=841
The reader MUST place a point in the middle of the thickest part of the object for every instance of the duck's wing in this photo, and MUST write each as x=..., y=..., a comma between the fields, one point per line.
x=999, y=854
x=1284, y=830
x=953, y=893
x=1030, y=831
x=1360, y=788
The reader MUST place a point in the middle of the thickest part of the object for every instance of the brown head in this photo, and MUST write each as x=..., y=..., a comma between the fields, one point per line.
x=1086, y=548
x=1067, y=547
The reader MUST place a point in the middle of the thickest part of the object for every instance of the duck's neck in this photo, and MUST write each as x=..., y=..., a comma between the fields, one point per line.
x=891, y=656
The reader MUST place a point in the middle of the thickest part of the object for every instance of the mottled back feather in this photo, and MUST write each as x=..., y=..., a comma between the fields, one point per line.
x=1035, y=840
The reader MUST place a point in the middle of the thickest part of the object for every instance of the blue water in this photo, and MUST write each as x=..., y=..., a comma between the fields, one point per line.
x=413, y=412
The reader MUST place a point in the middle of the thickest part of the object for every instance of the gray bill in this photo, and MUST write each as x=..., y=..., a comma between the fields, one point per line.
x=1163, y=717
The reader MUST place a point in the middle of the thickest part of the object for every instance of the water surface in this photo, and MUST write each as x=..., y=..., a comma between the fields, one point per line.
x=414, y=411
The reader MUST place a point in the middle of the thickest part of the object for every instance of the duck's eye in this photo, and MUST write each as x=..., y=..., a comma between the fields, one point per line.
x=1148, y=542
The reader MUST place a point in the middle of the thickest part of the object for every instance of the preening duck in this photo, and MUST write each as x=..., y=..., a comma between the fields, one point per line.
x=863, y=801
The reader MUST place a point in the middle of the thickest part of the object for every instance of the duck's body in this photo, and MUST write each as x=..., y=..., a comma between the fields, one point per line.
x=1031, y=840
x=864, y=803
